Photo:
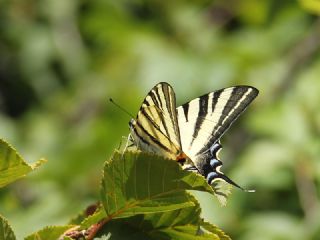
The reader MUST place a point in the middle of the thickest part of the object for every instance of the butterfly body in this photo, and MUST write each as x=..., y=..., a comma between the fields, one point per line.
x=189, y=133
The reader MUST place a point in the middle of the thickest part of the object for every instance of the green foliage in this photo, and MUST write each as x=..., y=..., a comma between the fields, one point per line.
x=312, y=6
x=143, y=196
x=97, y=216
x=140, y=184
x=184, y=223
x=49, y=233
x=12, y=165
x=6, y=232
x=60, y=61
x=147, y=195
x=154, y=190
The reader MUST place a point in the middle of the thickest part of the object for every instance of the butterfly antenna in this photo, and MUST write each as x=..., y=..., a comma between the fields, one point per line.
x=121, y=108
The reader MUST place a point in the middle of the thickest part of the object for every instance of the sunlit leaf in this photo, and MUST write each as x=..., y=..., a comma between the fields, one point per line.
x=12, y=165
x=311, y=6
x=138, y=183
x=6, y=232
x=184, y=223
x=89, y=212
x=162, y=220
x=50, y=233
x=214, y=229
x=93, y=219
x=222, y=191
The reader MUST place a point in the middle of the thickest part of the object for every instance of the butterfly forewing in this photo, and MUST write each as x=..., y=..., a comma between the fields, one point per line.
x=156, y=126
x=204, y=120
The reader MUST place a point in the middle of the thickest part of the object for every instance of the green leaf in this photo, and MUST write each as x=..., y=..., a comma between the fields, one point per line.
x=222, y=191
x=138, y=183
x=187, y=232
x=89, y=212
x=12, y=165
x=206, y=226
x=120, y=229
x=182, y=216
x=93, y=219
x=6, y=232
x=50, y=233
x=184, y=223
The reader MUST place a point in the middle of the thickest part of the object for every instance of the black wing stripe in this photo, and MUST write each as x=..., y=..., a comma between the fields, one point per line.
x=157, y=102
x=231, y=102
x=148, y=102
x=153, y=100
x=203, y=110
x=156, y=131
x=236, y=104
x=185, y=108
x=215, y=98
x=157, y=122
x=165, y=91
x=170, y=101
x=152, y=138
x=232, y=108
x=223, y=108
x=147, y=116
x=157, y=94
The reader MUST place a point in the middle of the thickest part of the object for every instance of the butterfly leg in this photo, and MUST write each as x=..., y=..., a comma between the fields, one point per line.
x=128, y=143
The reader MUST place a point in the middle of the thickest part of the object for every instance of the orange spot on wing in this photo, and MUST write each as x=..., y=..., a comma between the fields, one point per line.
x=181, y=157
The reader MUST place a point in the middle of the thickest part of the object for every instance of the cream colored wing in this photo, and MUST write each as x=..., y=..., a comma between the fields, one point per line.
x=204, y=120
x=155, y=128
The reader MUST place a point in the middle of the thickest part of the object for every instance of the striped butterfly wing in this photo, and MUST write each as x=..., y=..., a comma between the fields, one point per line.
x=200, y=123
x=204, y=120
x=155, y=128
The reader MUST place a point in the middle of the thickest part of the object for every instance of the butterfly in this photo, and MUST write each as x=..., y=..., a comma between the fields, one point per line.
x=190, y=133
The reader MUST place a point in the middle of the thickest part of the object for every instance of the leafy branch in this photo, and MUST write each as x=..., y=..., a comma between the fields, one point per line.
x=143, y=196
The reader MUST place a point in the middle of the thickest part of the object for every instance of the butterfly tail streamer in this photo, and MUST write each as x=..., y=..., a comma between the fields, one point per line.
x=216, y=175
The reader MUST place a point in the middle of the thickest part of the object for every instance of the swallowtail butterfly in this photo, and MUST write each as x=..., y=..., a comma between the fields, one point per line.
x=189, y=133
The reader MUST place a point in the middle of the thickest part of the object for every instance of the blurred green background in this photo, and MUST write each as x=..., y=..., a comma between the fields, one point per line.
x=60, y=62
